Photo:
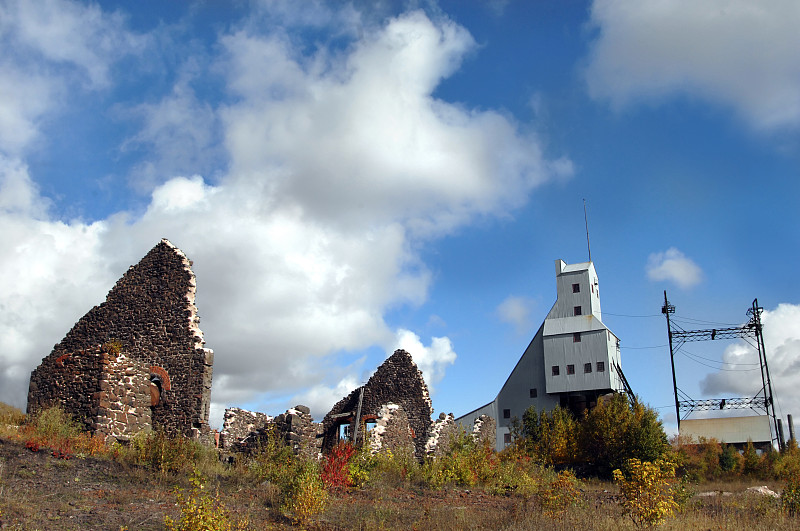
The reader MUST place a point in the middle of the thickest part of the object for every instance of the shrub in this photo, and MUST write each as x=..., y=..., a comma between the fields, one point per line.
x=647, y=490
x=559, y=493
x=336, y=473
x=550, y=438
x=200, y=511
x=615, y=431
x=790, y=498
x=307, y=494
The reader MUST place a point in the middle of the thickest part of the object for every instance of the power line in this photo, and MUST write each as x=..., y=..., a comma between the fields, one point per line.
x=627, y=315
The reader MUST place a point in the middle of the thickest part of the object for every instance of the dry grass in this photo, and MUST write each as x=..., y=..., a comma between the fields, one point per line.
x=133, y=487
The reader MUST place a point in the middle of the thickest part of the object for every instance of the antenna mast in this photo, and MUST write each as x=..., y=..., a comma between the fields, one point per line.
x=586, y=220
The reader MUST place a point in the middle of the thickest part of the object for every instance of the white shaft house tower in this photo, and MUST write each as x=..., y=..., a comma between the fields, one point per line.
x=571, y=361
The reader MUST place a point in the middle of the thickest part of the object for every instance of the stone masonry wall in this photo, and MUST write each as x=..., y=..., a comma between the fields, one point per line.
x=238, y=423
x=392, y=432
x=484, y=430
x=151, y=312
x=295, y=428
x=123, y=407
x=397, y=381
x=442, y=434
x=104, y=390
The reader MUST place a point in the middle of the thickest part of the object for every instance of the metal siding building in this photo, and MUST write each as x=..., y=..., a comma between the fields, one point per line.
x=569, y=362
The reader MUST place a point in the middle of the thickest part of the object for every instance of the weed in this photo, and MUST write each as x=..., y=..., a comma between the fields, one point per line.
x=200, y=511
x=559, y=494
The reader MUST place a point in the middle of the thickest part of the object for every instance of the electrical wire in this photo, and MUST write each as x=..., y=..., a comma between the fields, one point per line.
x=628, y=315
x=715, y=361
x=713, y=367
x=692, y=320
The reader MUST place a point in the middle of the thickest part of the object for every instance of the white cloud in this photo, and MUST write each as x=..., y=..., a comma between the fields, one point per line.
x=673, y=266
x=516, y=311
x=736, y=52
x=432, y=360
x=340, y=165
x=384, y=149
x=48, y=48
x=742, y=376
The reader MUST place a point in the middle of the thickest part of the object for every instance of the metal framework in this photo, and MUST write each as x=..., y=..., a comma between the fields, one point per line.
x=762, y=401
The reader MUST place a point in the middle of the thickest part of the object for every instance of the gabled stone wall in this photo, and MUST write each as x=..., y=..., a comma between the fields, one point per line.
x=396, y=381
x=150, y=313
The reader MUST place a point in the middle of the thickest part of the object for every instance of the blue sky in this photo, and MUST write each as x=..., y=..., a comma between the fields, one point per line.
x=350, y=178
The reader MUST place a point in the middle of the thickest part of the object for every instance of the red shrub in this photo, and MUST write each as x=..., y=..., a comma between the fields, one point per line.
x=335, y=472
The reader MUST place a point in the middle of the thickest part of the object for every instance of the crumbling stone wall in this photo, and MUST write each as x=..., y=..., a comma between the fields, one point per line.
x=392, y=432
x=484, y=430
x=396, y=381
x=443, y=432
x=295, y=428
x=151, y=313
x=238, y=423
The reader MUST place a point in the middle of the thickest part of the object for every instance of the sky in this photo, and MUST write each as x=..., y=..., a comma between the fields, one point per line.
x=352, y=178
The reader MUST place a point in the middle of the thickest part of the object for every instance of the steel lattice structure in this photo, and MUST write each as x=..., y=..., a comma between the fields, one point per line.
x=762, y=401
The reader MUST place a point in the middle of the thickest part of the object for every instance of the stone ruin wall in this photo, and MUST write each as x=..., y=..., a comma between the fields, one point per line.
x=107, y=392
x=445, y=430
x=247, y=431
x=397, y=381
x=151, y=313
x=392, y=432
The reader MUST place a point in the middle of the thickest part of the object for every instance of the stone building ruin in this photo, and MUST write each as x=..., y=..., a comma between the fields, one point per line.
x=247, y=431
x=397, y=396
x=138, y=359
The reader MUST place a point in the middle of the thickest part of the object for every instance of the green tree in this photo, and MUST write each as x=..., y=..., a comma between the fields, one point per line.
x=550, y=438
x=615, y=431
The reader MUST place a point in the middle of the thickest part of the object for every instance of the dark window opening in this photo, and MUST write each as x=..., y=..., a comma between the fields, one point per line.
x=587, y=367
x=534, y=393
x=570, y=369
x=576, y=288
x=506, y=413
x=601, y=366
x=577, y=310
x=555, y=370
x=507, y=438
x=576, y=337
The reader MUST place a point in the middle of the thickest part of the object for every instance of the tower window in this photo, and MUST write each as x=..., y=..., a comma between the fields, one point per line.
x=507, y=438
x=506, y=413
x=576, y=288
x=570, y=369
x=577, y=310
x=576, y=337
x=601, y=366
x=534, y=392
x=555, y=370
x=587, y=367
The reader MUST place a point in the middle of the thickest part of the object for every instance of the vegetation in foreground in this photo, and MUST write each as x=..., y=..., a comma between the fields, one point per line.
x=54, y=476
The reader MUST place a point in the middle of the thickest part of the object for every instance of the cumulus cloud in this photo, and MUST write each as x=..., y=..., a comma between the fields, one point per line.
x=673, y=266
x=49, y=47
x=516, y=311
x=432, y=360
x=742, y=376
x=735, y=52
x=339, y=166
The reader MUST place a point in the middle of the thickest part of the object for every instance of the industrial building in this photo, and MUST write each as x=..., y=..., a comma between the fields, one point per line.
x=572, y=360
